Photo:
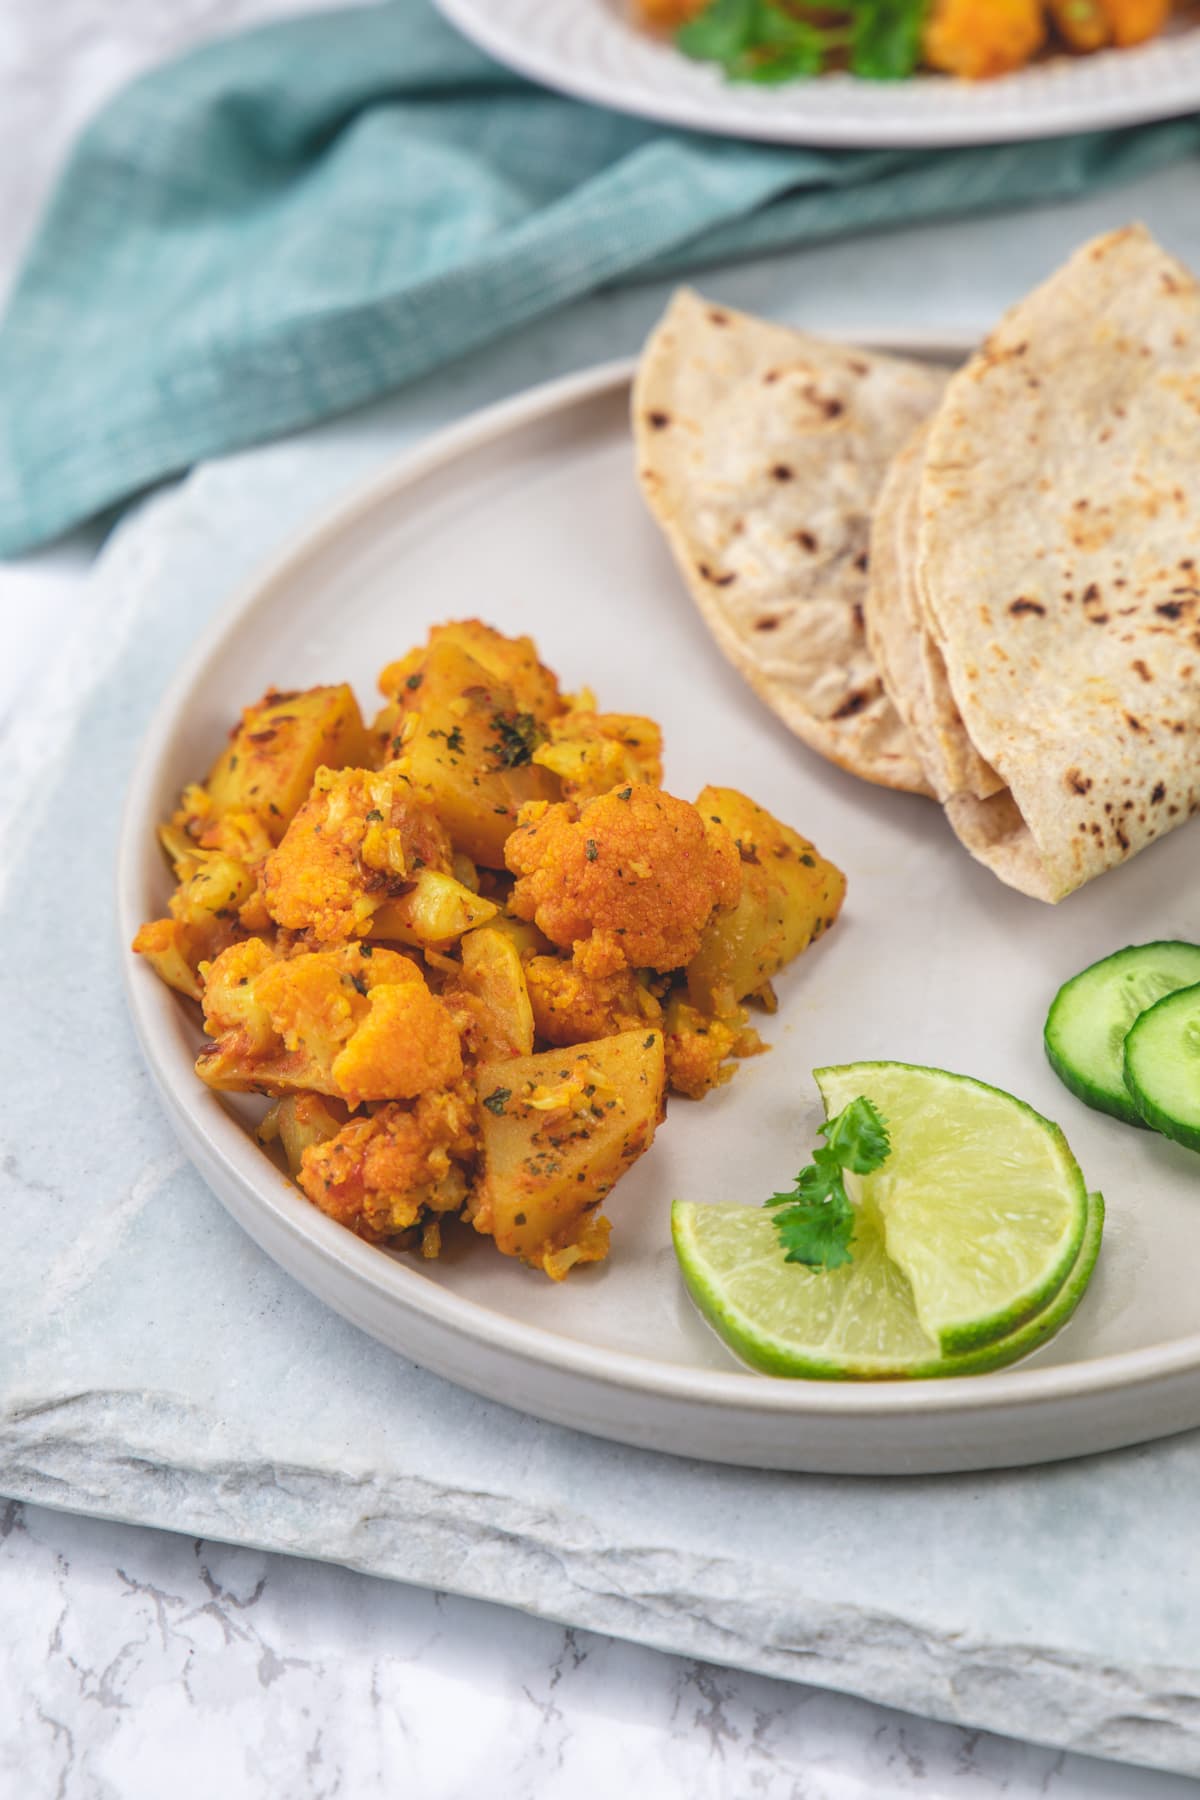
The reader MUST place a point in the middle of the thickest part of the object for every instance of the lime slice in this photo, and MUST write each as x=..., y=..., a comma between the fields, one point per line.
x=981, y=1203
x=854, y=1323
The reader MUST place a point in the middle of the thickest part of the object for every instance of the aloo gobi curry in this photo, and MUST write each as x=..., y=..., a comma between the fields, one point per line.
x=467, y=949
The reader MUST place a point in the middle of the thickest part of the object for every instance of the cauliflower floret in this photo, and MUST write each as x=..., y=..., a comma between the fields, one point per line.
x=628, y=881
x=699, y=1047
x=359, y=840
x=979, y=38
x=401, y=1167
x=570, y=1007
x=352, y=1023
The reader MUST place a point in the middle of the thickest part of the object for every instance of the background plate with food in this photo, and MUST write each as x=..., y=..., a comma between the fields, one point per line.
x=1046, y=78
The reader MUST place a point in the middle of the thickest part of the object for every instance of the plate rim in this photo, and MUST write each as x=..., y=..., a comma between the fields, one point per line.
x=213, y=1137
x=530, y=59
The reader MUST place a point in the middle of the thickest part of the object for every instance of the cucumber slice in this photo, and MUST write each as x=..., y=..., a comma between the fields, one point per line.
x=1091, y=1015
x=1162, y=1066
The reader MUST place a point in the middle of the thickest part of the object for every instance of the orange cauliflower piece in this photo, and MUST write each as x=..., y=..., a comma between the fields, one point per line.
x=571, y=1007
x=1133, y=21
x=978, y=38
x=699, y=1047
x=359, y=840
x=353, y=1023
x=627, y=881
x=401, y=1167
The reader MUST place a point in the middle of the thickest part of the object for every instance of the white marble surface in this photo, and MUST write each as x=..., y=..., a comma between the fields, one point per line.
x=133, y=1662
x=137, y=1664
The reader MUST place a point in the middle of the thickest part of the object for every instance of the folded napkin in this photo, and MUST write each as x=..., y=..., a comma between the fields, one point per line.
x=285, y=224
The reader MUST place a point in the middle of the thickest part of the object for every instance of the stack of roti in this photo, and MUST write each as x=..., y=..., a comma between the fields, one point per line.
x=986, y=587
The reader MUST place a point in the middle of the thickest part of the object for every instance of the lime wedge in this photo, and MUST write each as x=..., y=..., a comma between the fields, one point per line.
x=981, y=1203
x=854, y=1323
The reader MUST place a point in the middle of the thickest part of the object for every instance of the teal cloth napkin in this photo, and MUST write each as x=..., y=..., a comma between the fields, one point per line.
x=285, y=224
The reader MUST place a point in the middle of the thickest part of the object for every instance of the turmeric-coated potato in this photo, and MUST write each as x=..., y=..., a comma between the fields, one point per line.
x=491, y=993
x=559, y=1130
x=280, y=744
x=789, y=895
x=593, y=752
x=467, y=745
x=435, y=911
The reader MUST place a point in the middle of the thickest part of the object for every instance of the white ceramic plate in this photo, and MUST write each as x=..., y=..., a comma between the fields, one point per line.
x=530, y=517
x=591, y=49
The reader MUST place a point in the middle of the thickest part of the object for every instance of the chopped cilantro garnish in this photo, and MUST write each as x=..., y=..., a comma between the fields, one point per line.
x=517, y=737
x=590, y=850
x=375, y=815
x=495, y=1101
x=816, y=1219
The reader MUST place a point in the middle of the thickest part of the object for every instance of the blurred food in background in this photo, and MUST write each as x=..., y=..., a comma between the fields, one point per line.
x=772, y=41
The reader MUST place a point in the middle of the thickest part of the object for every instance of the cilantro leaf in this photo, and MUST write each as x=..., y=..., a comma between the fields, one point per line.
x=815, y=1222
x=886, y=43
x=858, y=1136
x=719, y=33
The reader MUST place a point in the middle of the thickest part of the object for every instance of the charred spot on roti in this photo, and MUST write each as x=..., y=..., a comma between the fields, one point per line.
x=856, y=701
x=658, y=421
x=781, y=472
x=1139, y=668
x=710, y=575
x=767, y=623
x=1078, y=782
x=826, y=404
x=862, y=563
x=1134, y=724
x=807, y=541
x=1158, y=794
x=1023, y=604
x=717, y=317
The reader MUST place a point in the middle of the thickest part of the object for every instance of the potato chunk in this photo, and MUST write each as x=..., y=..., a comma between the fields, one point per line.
x=283, y=739
x=627, y=881
x=559, y=1129
x=592, y=752
x=789, y=896
x=434, y=912
x=466, y=743
x=489, y=998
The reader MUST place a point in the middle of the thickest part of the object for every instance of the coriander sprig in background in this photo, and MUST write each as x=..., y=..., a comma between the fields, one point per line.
x=779, y=40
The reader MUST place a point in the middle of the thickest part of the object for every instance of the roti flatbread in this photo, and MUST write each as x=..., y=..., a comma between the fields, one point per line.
x=761, y=451
x=1059, y=559
x=908, y=658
